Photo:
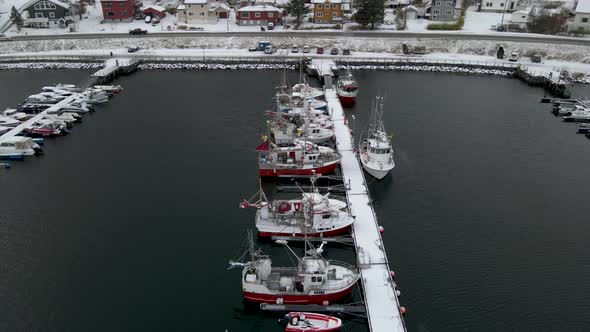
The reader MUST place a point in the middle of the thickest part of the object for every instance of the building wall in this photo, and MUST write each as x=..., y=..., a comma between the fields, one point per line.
x=442, y=10
x=118, y=10
x=257, y=18
x=327, y=12
x=199, y=14
x=49, y=10
x=154, y=13
x=580, y=23
x=498, y=5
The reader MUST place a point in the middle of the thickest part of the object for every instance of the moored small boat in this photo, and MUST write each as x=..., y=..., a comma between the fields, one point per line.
x=347, y=89
x=375, y=150
x=17, y=147
x=310, y=322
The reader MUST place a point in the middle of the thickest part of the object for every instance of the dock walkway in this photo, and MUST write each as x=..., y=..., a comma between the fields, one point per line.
x=381, y=301
x=18, y=129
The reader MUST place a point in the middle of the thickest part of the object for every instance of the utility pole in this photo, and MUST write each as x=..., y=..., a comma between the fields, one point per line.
x=503, y=12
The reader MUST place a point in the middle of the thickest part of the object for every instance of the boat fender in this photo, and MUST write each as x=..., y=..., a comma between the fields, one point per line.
x=381, y=229
x=398, y=293
x=279, y=300
x=326, y=303
x=392, y=274
x=403, y=310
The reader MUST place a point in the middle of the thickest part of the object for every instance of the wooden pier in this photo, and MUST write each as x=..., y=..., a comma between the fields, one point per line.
x=112, y=69
x=556, y=86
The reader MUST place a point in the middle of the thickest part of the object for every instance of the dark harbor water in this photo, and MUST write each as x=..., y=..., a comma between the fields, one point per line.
x=127, y=223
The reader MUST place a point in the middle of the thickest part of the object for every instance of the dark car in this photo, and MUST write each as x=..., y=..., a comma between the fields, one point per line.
x=320, y=50
x=132, y=49
x=346, y=51
x=334, y=51
x=137, y=31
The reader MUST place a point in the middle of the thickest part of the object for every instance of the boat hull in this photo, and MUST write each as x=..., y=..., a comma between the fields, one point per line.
x=269, y=172
x=323, y=323
x=347, y=101
x=376, y=173
x=297, y=299
x=330, y=233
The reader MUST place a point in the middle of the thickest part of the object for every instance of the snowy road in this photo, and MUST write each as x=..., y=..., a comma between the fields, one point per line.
x=491, y=36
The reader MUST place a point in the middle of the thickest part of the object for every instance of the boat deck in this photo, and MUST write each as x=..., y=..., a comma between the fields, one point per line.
x=18, y=129
x=381, y=301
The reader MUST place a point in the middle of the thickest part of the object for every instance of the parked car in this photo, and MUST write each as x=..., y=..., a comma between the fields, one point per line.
x=270, y=26
x=306, y=49
x=252, y=49
x=139, y=16
x=295, y=49
x=269, y=49
x=148, y=19
x=137, y=31
x=536, y=58
x=132, y=49
x=346, y=51
x=513, y=57
x=3, y=37
x=320, y=50
x=195, y=28
x=334, y=51
x=155, y=20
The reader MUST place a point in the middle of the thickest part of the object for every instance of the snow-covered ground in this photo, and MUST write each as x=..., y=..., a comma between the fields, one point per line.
x=480, y=22
x=417, y=25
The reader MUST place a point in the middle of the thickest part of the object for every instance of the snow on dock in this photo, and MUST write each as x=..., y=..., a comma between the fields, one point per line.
x=323, y=67
x=18, y=129
x=381, y=301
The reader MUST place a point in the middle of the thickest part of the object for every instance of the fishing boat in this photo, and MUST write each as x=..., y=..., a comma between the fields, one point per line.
x=312, y=215
x=310, y=322
x=313, y=280
x=17, y=147
x=300, y=158
x=307, y=90
x=347, y=89
x=375, y=150
x=583, y=128
x=283, y=132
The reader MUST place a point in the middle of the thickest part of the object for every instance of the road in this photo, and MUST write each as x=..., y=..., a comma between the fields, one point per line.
x=515, y=37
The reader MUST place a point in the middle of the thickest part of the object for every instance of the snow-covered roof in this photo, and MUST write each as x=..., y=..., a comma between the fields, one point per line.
x=181, y=7
x=520, y=12
x=56, y=2
x=259, y=9
x=583, y=6
x=195, y=2
x=154, y=7
x=219, y=6
x=409, y=8
x=322, y=1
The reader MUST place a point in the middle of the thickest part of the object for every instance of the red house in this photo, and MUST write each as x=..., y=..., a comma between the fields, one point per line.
x=258, y=15
x=119, y=10
x=154, y=10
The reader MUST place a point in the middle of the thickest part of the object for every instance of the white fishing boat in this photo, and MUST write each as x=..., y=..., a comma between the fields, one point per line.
x=300, y=158
x=307, y=90
x=111, y=89
x=312, y=215
x=67, y=87
x=375, y=149
x=310, y=322
x=313, y=280
x=347, y=89
x=8, y=122
x=283, y=132
x=17, y=147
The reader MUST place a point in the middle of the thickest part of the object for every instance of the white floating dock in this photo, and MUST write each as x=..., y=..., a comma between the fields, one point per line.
x=111, y=66
x=323, y=66
x=18, y=129
x=383, y=307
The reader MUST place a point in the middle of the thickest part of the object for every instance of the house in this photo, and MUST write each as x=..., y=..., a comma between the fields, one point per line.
x=580, y=23
x=520, y=18
x=258, y=15
x=201, y=12
x=327, y=11
x=119, y=10
x=441, y=10
x=46, y=14
x=498, y=6
x=410, y=12
x=396, y=3
x=154, y=11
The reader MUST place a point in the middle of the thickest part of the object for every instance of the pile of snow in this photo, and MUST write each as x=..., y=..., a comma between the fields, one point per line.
x=50, y=65
x=213, y=66
x=442, y=69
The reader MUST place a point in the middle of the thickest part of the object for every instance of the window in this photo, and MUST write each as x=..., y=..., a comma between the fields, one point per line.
x=245, y=14
x=501, y=4
x=202, y=6
x=327, y=6
x=110, y=14
x=325, y=216
x=449, y=3
x=435, y=11
x=124, y=13
x=335, y=6
x=44, y=5
x=488, y=4
x=334, y=14
x=38, y=15
x=191, y=13
x=584, y=20
x=271, y=14
x=437, y=3
x=320, y=6
x=319, y=279
x=51, y=15
x=313, y=279
x=257, y=14
x=448, y=12
x=319, y=14
x=202, y=14
x=106, y=4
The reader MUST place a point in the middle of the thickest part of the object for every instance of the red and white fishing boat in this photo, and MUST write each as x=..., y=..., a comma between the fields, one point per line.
x=312, y=215
x=310, y=322
x=300, y=158
x=347, y=89
x=312, y=281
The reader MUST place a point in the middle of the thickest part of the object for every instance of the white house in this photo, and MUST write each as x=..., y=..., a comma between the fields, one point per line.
x=520, y=18
x=580, y=23
x=199, y=12
x=499, y=6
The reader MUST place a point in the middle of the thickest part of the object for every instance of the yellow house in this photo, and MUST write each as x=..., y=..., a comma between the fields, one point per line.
x=327, y=11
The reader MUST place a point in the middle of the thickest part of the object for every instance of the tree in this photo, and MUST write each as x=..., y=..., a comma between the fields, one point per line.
x=547, y=23
x=298, y=9
x=16, y=18
x=369, y=12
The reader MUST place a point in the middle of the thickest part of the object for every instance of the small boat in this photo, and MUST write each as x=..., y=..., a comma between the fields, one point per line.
x=57, y=91
x=44, y=98
x=578, y=115
x=583, y=128
x=300, y=158
x=17, y=147
x=46, y=128
x=67, y=87
x=112, y=89
x=78, y=106
x=94, y=96
x=34, y=108
x=4, y=130
x=375, y=150
x=15, y=114
x=310, y=322
x=307, y=90
x=312, y=280
x=347, y=89
x=312, y=215
x=8, y=122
